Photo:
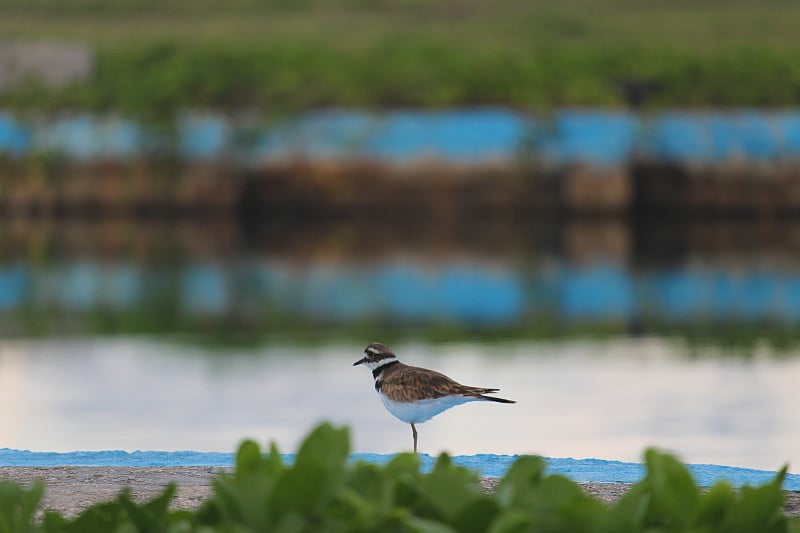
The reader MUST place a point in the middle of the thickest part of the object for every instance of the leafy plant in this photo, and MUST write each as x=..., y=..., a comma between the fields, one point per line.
x=18, y=506
x=321, y=491
x=123, y=514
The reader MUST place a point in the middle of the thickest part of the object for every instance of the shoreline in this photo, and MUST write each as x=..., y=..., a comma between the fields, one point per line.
x=434, y=190
x=71, y=489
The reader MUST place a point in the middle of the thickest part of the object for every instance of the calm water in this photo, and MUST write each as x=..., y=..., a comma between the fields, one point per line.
x=112, y=277
x=578, y=399
x=82, y=305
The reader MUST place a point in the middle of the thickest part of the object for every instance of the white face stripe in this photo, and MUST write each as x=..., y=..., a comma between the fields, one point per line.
x=372, y=365
x=385, y=361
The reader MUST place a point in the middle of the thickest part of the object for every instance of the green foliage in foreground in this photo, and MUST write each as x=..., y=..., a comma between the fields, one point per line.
x=322, y=492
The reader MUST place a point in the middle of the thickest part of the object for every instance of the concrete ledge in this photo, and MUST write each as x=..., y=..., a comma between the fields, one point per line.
x=71, y=489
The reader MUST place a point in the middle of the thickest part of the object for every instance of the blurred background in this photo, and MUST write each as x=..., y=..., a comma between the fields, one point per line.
x=209, y=209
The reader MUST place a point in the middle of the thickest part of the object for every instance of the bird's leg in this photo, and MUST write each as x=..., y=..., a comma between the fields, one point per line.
x=414, y=432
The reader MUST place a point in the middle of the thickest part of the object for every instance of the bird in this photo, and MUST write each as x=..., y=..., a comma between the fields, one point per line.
x=414, y=394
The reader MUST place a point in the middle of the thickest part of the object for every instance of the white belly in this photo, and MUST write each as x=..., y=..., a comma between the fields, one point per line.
x=422, y=410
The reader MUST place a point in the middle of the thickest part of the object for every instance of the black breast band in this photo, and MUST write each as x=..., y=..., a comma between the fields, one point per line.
x=377, y=371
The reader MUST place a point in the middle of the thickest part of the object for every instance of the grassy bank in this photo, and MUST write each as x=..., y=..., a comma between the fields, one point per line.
x=285, y=56
x=154, y=78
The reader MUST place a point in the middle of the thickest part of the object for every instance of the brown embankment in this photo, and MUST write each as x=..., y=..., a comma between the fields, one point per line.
x=430, y=189
x=118, y=188
x=764, y=190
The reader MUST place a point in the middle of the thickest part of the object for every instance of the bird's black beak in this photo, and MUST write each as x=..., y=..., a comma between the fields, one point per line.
x=359, y=361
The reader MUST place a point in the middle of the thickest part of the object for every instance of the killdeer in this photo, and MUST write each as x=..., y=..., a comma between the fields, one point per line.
x=413, y=394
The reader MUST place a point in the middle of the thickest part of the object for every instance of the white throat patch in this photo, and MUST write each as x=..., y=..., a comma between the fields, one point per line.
x=372, y=365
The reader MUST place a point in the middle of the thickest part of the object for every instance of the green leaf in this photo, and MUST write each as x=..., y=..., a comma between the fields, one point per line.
x=514, y=521
x=317, y=473
x=403, y=464
x=18, y=506
x=714, y=505
x=424, y=525
x=292, y=522
x=630, y=511
x=403, y=473
x=476, y=517
x=449, y=488
x=326, y=446
x=758, y=509
x=372, y=484
x=352, y=511
x=673, y=493
x=151, y=516
x=106, y=516
x=126, y=527
x=551, y=503
x=520, y=479
x=248, y=459
x=561, y=505
x=181, y=521
x=242, y=498
x=274, y=460
x=302, y=489
x=54, y=522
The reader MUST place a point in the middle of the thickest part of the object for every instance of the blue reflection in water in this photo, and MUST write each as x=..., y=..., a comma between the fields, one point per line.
x=82, y=285
x=603, y=291
x=757, y=295
x=204, y=289
x=400, y=291
x=14, y=281
x=459, y=291
x=122, y=286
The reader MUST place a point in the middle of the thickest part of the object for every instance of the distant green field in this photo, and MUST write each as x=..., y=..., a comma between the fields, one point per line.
x=469, y=25
x=286, y=55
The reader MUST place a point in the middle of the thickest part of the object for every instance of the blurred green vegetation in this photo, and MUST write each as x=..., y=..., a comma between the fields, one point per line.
x=164, y=318
x=156, y=56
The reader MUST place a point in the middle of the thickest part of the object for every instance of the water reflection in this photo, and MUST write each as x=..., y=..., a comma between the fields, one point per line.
x=117, y=277
x=575, y=399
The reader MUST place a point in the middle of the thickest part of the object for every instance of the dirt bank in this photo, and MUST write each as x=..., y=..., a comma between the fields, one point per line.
x=71, y=489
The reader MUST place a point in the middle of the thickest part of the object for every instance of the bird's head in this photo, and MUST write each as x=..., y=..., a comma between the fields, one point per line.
x=375, y=355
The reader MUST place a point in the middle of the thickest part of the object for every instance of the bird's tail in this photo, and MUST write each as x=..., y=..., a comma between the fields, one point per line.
x=495, y=399
x=479, y=393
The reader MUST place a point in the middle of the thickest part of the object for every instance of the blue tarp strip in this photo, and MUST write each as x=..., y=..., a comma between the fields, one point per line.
x=582, y=470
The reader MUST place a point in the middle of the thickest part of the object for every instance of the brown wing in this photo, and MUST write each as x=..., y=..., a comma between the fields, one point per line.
x=405, y=383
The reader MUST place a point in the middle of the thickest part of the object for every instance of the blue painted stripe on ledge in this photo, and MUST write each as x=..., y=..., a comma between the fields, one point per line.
x=594, y=136
x=596, y=470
